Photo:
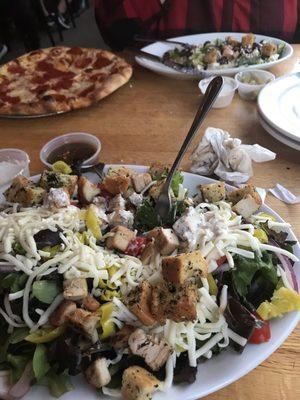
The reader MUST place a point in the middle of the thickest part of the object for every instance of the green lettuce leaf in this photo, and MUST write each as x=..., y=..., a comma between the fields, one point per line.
x=18, y=335
x=58, y=384
x=45, y=291
x=176, y=181
x=17, y=364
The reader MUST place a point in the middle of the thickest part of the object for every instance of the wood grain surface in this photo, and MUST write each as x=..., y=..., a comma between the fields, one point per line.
x=146, y=121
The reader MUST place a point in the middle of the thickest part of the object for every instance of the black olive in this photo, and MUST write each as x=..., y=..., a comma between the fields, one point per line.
x=223, y=60
x=47, y=238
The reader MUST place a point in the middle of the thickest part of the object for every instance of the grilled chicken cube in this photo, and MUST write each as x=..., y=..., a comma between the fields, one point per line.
x=211, y=56
x=87, y=191
x=179, y=268
x=57, y=198
x=213, y=192
x=154, y=349
x=84, y=321
x=98, y=374
x=116, y=184
x=140, y=181
x=52, y=179
x=175, y=302
x=138, y=384
x=90, y=304
x=59, y=316
x=120, y=339
x=248, y=40
x=165, y=240
x=139, y=303
x=156, y=189
x=149, y=253
x=228, y=52
x=247, y=206
x=232, y=41
x=75, y=289
x=238, y=194
x=117, y=203
x=268, y=49
x=120, y=239
x=24, y=192
x=121, y=218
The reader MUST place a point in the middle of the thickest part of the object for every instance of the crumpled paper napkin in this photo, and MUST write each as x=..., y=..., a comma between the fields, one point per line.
x=219, y=154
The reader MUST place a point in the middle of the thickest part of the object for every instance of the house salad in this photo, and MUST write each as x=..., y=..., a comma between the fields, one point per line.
x=92, y=280
x=228, y=53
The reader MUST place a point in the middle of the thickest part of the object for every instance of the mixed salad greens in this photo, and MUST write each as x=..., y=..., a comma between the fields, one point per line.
x=228, y=53
x=92, y=281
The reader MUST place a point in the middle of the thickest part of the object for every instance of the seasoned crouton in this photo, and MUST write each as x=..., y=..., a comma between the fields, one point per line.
x=158, y=171
x=57, y=198
x=153, y=348
x=238, y=194
x=87, y=191
x=211, y=56
x=140, y=181
x=120, y=171
x=121, y=238
x=59, y=316
x=120, y=339
x=75, y=289
x=25, y=192
x=138, y=384
x=148, y=254
x=84, y=321
x=52, y=179
x=165, y=240
x=232, y=41
x=90, y=303
x=116, y=184
x=247, y=206
x=179, y=268
x=175, y=302
x=97, y=373
x=213, y=192
x=139, y=303
x=268, y=49
x=248, y=40
x=156, y=189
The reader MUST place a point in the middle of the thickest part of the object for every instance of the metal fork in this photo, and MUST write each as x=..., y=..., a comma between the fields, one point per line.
x=164, y=203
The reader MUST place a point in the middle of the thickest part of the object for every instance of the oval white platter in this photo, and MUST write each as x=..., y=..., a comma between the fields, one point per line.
x=159, y=49
x=216, y=373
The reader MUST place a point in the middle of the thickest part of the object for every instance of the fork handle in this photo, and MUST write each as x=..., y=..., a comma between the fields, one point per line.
x=209, y=98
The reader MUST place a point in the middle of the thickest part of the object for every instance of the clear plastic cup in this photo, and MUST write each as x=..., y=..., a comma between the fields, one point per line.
x=73, y=137
x=250, y=91
x=13, y=162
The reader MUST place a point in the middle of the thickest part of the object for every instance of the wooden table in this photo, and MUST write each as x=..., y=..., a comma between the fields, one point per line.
x=146, y=121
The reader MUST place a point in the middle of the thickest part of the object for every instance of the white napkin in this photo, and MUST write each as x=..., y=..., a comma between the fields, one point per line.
x=219, y=154
x=283, y=194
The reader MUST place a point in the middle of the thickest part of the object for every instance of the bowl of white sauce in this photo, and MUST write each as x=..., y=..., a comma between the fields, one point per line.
x=13, y=162
x=227, y=92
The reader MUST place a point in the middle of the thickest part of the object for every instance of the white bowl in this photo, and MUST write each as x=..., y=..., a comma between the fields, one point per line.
x=227, y=92
x=249, y=91
x=73, y=137
x=13, y=162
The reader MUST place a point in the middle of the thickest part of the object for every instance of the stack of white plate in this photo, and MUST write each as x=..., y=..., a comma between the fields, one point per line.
x=279, y=109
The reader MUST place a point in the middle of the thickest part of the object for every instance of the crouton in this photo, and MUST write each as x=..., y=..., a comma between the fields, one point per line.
x=211, y=56
x=97, y=373
x=87, y=191
x=138, y=384
x=75, y=289
x=140, y=181
x=139, y=303
x=52, y=179
x=57, y=198
x=247, y=206
x=179, y=268
x=232, y=41
x=248, y=40
x=238, y=194
x=90, y=303
x=174, y=302
x=152, y=347
x=158, y=171
x=59, y=316
x=84, y=321
x=165, y=240
x=121, y=218
x=24, y=192
x=268, y=49
x=121, y=238
x=117, y=203
x=120, y=171
x=213, y=192
x=120, y=339
x=148, y=254
x=116, y=184
x=156, y=189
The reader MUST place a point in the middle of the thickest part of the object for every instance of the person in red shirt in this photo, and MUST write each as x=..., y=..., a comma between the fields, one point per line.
x=120, y=20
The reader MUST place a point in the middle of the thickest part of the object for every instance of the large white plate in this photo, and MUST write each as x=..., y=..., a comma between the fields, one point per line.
x=279, y=104
x=159, y=49
x=276, y=134
x=217, y=372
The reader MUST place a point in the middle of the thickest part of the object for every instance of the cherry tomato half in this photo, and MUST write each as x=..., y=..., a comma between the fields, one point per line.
x=221, y=260
x=136, y=246
x=261, y=335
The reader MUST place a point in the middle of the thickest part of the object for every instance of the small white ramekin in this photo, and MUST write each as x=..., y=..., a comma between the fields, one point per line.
x=227, y=92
